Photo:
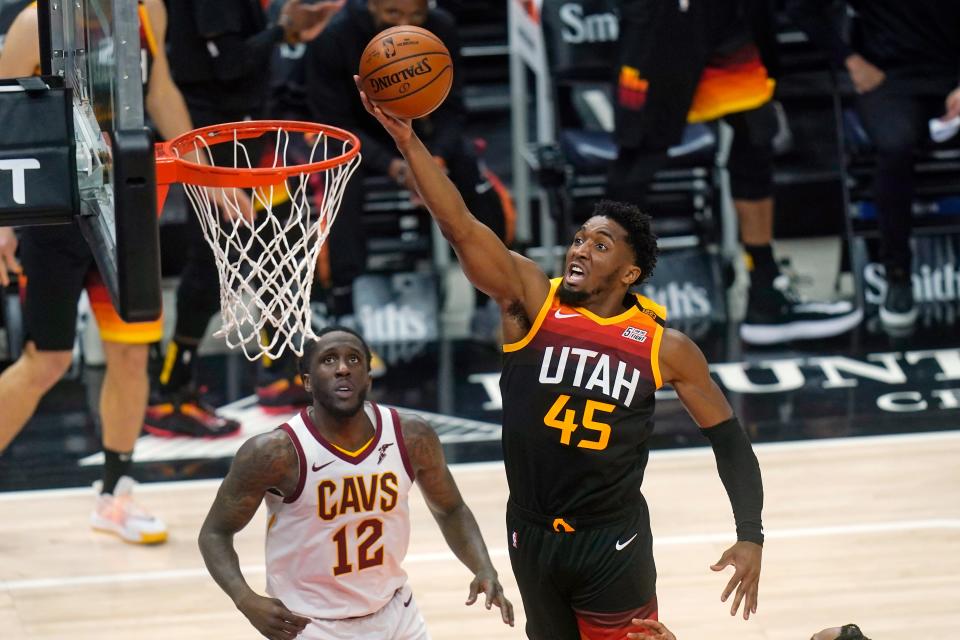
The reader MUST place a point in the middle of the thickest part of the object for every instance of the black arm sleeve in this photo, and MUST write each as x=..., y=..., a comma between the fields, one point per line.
x=740, y=473
x=815, y=19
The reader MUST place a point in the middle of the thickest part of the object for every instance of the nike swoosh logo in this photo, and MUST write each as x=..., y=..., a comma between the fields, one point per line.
x=316, y=468
x=561, y=316
x=621, y=545
x=409, y=600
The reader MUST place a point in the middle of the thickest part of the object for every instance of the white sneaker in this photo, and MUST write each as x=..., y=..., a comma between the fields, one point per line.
x=120, y=515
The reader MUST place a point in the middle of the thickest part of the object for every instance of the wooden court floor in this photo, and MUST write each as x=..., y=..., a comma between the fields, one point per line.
x=863, y=530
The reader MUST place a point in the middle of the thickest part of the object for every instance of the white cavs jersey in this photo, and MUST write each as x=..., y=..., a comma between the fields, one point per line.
x=334, y=547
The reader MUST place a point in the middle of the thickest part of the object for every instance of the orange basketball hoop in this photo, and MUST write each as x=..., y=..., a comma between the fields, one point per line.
x=265, y=259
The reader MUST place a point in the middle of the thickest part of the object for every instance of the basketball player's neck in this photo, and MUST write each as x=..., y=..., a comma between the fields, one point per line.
x=605, y=304
x=347, y=431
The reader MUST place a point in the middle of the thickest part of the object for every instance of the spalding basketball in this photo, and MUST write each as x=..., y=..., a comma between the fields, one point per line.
x=406, y=71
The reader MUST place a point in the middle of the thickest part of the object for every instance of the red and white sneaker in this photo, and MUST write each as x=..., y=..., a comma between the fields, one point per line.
x=283, y=394
x=120, y=515
x=189, y=417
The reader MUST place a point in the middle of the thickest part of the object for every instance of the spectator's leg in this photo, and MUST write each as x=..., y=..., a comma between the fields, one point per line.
x=893, y=122
x=663, y=49
x=751, y=181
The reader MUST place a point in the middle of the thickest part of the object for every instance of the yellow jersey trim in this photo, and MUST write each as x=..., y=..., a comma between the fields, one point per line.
x=626, y=315
x=655, y=357
x=147, y=28
x=516, y=346
x=354, y=454
x=656, y=307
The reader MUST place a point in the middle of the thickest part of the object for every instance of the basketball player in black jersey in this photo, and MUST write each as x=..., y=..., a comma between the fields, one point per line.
x=582, y=360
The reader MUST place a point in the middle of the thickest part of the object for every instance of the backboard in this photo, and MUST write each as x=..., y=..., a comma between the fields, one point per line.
x=95, y=46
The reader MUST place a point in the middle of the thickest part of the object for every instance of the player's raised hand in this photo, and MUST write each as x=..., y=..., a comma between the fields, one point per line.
x=745, y=557
x=400, y=130
x=313, y=18
x=651, y=630
x=271, y=617
x=490, y=586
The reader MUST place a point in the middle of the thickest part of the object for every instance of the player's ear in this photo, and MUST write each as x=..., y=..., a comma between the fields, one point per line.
x=631, y=274
x=306, y=382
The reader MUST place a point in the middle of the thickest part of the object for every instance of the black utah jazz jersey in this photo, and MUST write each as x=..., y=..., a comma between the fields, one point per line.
x=578, y=400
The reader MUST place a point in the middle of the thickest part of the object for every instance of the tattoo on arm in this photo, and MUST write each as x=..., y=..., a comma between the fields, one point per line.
x=442, y=496
x=264, y=462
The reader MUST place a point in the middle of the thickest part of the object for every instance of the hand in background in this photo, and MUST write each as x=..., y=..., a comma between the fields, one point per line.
x=865, y=76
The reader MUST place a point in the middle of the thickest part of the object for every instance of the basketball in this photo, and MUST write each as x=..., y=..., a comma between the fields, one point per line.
x=406, y=71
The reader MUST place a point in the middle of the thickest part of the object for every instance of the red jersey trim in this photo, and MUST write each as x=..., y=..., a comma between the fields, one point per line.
x=401, y=444
x=302, y=480
x=329, y=446
x=516, y=346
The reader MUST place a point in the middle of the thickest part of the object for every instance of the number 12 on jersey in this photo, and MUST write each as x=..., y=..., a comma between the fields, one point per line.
x=569, y=422
x=373, y=529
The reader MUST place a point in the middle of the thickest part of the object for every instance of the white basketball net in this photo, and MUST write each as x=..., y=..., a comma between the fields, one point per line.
x=266, y=260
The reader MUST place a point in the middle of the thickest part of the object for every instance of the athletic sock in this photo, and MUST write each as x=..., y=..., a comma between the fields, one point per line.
x=177, y=370
x=761, y=265
x=115, y=466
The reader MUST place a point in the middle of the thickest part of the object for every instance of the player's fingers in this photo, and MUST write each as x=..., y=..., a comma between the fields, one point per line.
x=474, y=590
x=489, y=592
x=284, y=617
x=737, y=599
x=506, y=609
x=731, y=584
x=724, y=561
x=753, y=596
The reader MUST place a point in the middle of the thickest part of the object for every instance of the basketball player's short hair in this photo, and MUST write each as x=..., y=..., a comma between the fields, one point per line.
x=851, y=632
x=640, y=235
x=310, y=346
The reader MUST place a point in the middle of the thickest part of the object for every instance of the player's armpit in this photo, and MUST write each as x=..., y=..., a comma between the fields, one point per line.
x=683, y=366
x=429, y=465
x=268, y=461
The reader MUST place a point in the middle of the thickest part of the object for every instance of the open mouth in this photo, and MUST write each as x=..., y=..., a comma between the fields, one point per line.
x=575, y=274
x=343, y=390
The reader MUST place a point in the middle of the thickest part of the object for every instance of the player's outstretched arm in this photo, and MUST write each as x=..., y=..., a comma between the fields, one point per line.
x=21, y=47
x=264, y=462
x=683, y=366
x=505, y=276
x=456, y=521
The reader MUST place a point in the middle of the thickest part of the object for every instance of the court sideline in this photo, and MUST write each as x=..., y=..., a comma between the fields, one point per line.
x=863, y=530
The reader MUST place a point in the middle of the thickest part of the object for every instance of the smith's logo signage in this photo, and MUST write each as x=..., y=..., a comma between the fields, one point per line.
x=18, y=168
x=404, y=75
x=596, y=27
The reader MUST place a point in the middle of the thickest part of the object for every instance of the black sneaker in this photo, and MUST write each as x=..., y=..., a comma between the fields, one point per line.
x=899, y=309
x=775, y=314
x=185, y=415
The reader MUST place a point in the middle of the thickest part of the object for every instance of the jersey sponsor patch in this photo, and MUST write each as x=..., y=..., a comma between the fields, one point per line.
x=632, y=333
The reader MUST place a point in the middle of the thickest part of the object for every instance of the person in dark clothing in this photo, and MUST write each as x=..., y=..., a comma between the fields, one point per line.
x=219, y=52
x=330, y=62
x=904, y=62
x=699, y=61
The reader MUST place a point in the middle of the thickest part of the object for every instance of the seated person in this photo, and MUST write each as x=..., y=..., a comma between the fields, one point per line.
x=904, y=62
x=330, y=63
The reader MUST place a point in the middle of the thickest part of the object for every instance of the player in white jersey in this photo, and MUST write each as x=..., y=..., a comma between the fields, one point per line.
x=336, y=479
